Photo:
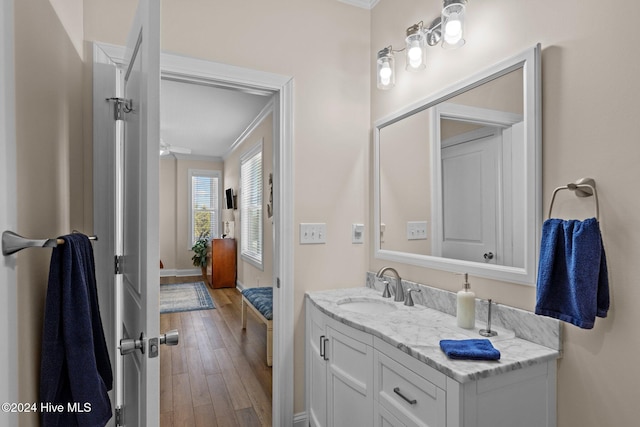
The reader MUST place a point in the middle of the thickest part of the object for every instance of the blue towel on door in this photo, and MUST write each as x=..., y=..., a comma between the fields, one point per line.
x=573, y=283
x=471, y=349
x=75, y=366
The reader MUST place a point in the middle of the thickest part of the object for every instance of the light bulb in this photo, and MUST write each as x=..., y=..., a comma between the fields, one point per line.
x=453, y=29
x=385, y=74
x=415, y=56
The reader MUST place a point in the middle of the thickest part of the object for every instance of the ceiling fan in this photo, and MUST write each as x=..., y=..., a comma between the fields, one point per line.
x=166, y=149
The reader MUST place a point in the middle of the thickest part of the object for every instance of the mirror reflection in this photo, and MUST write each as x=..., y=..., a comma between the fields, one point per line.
x=454, y=176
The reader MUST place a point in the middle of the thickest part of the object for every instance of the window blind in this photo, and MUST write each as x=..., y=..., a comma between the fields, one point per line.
x=204, y=204
x=251, y=206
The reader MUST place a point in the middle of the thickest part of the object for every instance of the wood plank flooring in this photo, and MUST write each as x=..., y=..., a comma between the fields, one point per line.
x=218, y=374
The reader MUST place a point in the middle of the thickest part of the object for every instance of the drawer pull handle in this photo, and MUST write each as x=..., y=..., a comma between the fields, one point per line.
x=324, y=356
x=409, y=401
x=322, y=346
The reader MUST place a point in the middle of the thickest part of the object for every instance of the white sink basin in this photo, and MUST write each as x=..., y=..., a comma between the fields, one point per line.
x=366, y=305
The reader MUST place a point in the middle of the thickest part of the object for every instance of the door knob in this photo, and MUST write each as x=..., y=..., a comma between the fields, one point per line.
x=170, y=338
x=129, y=345
x=488, y=256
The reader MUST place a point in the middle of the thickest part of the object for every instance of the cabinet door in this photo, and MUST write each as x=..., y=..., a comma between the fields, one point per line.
x=349, y=381
x=223, y=261
x=317, y=375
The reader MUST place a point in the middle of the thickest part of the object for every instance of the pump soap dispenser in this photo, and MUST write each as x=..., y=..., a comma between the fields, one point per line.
x=466, y=306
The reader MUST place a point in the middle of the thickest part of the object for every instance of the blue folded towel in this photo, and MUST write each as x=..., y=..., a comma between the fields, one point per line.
x=573, y=283
x=473, y=349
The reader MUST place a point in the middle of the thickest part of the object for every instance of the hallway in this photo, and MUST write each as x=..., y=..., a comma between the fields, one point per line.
x=217, y=375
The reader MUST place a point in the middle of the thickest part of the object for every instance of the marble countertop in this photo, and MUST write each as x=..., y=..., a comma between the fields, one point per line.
x=418, y=330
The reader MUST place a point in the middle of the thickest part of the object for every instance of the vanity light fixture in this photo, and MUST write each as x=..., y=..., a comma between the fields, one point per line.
x=448, y=28
x=386, y=68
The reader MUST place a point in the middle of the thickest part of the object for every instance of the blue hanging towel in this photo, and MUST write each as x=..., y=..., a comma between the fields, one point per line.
x=75, y=371
x=573, y=283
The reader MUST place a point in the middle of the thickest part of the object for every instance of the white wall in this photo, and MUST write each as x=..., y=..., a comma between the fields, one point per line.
x=248, y=275
x=50, y=163
x=590, y=128
x=175, y=250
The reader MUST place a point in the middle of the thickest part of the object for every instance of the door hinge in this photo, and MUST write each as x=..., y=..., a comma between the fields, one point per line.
x=119, y=416
x=120, y=107
x=278, y=282
x=118, y=264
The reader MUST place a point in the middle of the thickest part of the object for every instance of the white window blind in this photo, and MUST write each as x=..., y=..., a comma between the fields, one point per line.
x=204, y=197
x=251, y=205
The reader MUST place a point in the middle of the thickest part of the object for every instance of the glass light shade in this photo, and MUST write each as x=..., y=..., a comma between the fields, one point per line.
x=416, y=51
x=453, y=24
x=386, y=69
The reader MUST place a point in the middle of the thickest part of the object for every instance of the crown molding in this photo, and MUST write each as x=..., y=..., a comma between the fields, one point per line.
x=364, y=4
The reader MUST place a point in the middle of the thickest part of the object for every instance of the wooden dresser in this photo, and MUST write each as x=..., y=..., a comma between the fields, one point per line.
x=221, y=264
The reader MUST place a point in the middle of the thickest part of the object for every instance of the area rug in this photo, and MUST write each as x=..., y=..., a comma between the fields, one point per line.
x=184, y=297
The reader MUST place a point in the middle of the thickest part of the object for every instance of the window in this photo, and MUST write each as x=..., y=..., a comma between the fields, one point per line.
x=251, y=206
x=204, y=195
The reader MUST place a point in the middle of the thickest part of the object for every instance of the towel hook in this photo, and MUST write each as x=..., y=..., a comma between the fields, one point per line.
x=584, y=187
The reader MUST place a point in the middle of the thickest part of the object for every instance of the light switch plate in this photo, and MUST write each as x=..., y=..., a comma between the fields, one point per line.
x=416, y=230
x=313, y=233
x=357, y=233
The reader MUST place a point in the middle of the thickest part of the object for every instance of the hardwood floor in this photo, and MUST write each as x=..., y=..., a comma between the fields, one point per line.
x=218, y=374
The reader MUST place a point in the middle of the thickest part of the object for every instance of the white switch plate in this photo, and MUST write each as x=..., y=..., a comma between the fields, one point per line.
x=313, y=233
x=357, y=233
x=416, y=230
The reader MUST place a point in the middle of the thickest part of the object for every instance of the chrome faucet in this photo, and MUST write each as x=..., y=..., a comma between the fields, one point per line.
x=399, y=291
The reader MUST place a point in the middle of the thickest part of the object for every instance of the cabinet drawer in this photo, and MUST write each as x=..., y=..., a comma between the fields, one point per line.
x=406, y=395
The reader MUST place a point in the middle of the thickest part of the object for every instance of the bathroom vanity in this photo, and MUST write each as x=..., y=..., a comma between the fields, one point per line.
x=375, y=362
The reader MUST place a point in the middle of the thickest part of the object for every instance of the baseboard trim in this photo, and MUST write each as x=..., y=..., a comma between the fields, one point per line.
x=171, y=272
x=300, y=420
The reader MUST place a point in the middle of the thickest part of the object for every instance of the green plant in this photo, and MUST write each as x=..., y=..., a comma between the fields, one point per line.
x=199, y=249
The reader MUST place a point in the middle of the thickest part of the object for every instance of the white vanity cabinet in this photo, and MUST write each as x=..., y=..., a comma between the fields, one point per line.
x=354, y=378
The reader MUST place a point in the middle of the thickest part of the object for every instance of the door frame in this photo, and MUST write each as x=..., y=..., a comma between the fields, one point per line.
x=201, y=71
x=8, y=217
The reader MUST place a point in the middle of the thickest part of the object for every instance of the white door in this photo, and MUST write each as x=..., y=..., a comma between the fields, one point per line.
x=139, y=246
x=8, y=220
x=470, y=178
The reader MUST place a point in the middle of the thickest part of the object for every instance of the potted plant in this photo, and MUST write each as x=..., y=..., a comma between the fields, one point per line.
x=199, y=249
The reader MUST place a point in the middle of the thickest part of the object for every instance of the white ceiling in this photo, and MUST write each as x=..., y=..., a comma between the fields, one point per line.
x=205, y=119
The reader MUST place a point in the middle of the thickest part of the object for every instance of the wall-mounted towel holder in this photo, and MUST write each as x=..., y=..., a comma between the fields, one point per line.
x=12, y=242
x=585, y=187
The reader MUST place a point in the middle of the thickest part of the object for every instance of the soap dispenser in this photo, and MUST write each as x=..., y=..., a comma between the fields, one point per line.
x=466, y=306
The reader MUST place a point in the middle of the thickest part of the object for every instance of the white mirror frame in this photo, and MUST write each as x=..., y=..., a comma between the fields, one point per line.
x=529, y=61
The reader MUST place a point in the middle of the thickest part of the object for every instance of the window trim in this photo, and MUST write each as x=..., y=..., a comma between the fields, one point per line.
x=247, y=256
x=202, y=172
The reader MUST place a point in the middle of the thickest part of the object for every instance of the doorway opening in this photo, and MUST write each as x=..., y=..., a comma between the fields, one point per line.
x=202, y=72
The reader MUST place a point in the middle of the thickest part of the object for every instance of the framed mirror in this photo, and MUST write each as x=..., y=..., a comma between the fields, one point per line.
x=457, y=176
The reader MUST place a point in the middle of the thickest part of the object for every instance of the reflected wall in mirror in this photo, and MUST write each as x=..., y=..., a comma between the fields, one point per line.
x=457, y=176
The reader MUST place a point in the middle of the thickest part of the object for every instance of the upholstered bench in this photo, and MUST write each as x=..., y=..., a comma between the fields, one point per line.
x=260, y=301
